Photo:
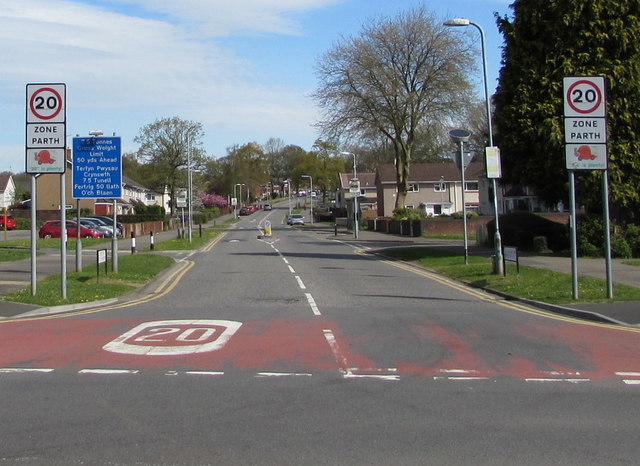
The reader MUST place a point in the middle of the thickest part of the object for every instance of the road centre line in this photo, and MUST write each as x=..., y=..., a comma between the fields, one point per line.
x=291, y=269
x=23, y=370
x=300, y=283
x=108, y=371
x=337, y=354
x=312, y=303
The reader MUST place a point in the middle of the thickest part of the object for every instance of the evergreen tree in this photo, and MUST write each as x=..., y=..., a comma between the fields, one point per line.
x=544, y=42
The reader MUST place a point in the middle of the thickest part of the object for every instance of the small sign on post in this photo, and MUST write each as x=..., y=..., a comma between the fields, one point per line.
x=101, y=258
x=510, y=254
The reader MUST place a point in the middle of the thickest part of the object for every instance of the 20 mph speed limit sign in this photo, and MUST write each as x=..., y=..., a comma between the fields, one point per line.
x=45, y=103
x=46, y=128
x=584, y=96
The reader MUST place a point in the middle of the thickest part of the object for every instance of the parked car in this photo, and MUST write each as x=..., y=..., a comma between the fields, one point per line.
x=94, y=223
x=8, y=220
x=53, y=229
x=267, y=207
x=244, y=211
x=295, y=219
x=109, y=221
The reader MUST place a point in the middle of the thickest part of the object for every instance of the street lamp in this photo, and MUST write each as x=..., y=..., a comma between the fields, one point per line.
x=498, y=266
x=310, y=194
x=355, y=197
x=288, y=184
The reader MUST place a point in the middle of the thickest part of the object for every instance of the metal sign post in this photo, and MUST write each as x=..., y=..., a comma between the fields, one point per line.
x=46, y=129
x=585, y=137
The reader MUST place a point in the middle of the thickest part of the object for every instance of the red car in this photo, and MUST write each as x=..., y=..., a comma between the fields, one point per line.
x=8, y=220
x=51, y=229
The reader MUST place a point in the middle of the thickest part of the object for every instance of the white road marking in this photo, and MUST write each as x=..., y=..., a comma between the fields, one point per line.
x=23, y=370
x=208, y=373
x=312, y=303
x=543, y=380
x=171, y=337
x=108, y=371
x=282, y=374
x=371, y=376
x=337, y=354
x=291, y=269
x=458, y=378
x=300, y=283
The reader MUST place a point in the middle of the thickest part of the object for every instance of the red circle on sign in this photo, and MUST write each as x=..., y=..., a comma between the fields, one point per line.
x=58, y=108
x=597, y=102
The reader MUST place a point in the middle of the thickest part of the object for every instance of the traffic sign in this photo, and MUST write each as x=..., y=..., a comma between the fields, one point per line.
x=585, y=130
x=97, y=168
x=46, y=126
x=46, y=103
x=586, y=156
x=584, y=96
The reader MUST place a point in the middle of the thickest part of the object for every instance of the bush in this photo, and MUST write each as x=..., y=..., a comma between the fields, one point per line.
x=620, y=247
x=407, y=214
x=520, y=228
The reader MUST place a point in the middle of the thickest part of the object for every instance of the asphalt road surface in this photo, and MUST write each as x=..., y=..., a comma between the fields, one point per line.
x=300, y=349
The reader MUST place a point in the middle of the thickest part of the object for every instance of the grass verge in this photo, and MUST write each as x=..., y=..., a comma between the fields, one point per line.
x=133, y=272
x=532, y=283
x=181, y=244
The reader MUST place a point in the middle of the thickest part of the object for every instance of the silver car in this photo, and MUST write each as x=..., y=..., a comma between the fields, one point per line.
x=295, y=219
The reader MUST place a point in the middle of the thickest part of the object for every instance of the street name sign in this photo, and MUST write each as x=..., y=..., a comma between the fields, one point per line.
x=97, y=168
x=45, y=128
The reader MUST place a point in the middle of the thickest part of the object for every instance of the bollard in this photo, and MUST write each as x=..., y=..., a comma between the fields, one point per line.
x=200, y=230
x=133, y=242
x=151, y=244
x=335, y=229
x=179, y=237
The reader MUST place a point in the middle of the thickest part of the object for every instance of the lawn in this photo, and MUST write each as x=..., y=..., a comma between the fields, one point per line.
x=531, y=283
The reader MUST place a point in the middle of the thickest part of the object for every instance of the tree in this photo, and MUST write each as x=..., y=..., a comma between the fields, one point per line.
x=399, y=78
x=544, y=42
x=165, y=144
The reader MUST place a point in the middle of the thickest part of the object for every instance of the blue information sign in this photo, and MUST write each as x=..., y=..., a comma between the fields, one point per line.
x=97, y=168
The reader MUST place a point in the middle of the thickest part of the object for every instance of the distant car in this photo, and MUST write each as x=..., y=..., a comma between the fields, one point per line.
x=244, y=211
x=94, y=223
x=53, y=229
x=109, y=221
x=295, y=219
x=7, y=220
x=267, y=207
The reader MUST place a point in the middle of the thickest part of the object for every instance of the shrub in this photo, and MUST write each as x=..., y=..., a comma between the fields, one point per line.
x=407, y=214
x=620, y=247
x=520, y=228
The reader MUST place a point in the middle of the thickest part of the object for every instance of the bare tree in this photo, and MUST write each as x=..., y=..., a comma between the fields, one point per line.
x=165, y=144
x=400, y=77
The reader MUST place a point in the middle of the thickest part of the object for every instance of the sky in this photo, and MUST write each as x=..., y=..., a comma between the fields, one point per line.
x=242, y=68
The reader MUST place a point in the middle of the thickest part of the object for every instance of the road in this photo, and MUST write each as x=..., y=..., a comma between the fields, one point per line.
x=300, y=349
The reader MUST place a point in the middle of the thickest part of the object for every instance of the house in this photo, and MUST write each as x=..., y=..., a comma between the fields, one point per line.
x=368, y=191
x=7, y=190
x=435, y=187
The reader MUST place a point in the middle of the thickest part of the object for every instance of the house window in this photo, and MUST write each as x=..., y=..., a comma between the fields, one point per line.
x=440, y=187
x=408, y=206
x=413, y=188
x=471, y=186
x=150, y=197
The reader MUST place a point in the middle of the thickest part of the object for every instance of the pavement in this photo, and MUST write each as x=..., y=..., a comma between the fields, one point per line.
x=17, y=274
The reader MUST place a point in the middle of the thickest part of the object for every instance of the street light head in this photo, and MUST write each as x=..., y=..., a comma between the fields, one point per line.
x=457, y=22
x=96, y=132
x=346, y=153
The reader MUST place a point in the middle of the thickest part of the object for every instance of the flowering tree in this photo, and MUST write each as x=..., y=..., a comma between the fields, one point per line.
x=213, y=200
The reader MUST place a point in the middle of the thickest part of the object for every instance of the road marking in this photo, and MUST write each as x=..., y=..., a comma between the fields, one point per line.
x=372, y=376
x=300, y=283
x=312, y=303
x=291, y=269
x=542, y=379
x=174, y=337
x=108, y=371
x=635, y=380
x=459, y=378
x=23, y=370
x=206, y=373
x=337, y=354
x=282, y=374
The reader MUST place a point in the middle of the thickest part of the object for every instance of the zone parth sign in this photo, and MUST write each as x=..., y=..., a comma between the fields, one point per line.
x=97, y=168
x=45, y=128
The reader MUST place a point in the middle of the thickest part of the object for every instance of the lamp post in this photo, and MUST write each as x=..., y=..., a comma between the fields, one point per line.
x=189, y=190
x=355, y=198
x=288, y=183
x=498, y=266
x=239, y=198
x=310, y=193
